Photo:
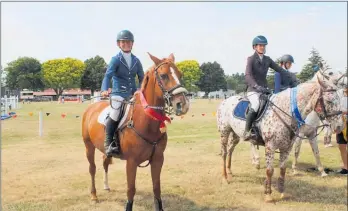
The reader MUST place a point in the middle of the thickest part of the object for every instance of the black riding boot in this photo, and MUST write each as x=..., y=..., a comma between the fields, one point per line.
x=251, y=116
x=110, y=148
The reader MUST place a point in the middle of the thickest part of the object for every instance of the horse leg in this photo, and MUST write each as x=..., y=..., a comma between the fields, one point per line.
x=90, y=152
x=269, y=173
x=131, y=167
x=298, y=142
x=281, y=180
x=315, y=150
x=106, y=163
x=224, y=142
x=255, y=156
x=234, y=140
x=156, y=167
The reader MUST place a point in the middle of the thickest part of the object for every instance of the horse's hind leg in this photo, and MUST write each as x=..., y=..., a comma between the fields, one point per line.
x=255, y=156
x=233, y=141
x=106, y=162
x=90, y=153
x=224, y=141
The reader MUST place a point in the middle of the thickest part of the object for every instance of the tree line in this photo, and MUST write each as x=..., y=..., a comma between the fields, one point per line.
x=65, y=73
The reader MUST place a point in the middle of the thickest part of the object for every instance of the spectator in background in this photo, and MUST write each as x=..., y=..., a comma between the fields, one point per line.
x=341, y=138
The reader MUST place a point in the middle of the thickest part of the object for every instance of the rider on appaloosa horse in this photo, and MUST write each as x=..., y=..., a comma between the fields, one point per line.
x=255, y=77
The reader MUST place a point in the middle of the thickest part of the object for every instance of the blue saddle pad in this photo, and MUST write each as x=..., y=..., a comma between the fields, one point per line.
x=240, y=110
x=6, y=116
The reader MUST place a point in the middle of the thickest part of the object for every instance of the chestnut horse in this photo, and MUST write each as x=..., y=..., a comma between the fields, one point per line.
x=141, y=135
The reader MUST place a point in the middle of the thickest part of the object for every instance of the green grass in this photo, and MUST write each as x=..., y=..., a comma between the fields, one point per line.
x=51, y=172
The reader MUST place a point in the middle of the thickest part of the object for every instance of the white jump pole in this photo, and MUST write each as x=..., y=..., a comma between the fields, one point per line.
x=40, y=123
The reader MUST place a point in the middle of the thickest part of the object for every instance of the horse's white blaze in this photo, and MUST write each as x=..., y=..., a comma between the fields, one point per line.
x=174, y=76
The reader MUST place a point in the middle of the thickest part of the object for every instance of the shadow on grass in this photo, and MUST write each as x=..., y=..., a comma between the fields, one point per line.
x=302, y=191
x=173, y=202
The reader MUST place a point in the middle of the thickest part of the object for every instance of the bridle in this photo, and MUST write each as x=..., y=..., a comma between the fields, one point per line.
x=320, y=101
x=167, y=94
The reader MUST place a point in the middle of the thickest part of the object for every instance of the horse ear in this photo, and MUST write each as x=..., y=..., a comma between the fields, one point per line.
x=144, y=83
x=171, y=57
x=321, y=83
x=154, y=59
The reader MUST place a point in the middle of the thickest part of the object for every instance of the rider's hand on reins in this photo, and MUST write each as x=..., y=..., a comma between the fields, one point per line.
x=104, y=94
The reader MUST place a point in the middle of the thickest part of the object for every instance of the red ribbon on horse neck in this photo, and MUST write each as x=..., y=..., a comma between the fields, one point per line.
x=152, y=112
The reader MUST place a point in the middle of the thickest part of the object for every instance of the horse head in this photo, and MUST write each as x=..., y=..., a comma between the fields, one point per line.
x=163, y=78
x=328, y=105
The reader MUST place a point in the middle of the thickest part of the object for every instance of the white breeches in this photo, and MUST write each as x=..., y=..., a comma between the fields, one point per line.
x=254, y=100
x=116, y=107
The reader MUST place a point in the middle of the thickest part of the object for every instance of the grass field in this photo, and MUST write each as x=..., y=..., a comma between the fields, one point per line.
x=51, y=173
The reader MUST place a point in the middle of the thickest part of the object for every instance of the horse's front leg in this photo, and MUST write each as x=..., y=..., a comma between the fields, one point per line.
x=156, y=167
x=315, y=150
x=131, y=175
x=281, y=180
x=224, y=143
x=298, y=142
x=269, y=173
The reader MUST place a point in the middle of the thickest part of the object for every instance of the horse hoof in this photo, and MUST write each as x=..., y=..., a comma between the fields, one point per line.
x=295, y=173
x=257, y=166
x=229, y=177
x=225, y=181
x=107, y=189
x=268, y=198
x=94, y=201
x=284, y=196
x=323, y=174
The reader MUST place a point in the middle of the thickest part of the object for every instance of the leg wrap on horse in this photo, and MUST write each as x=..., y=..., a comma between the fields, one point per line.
x=129, y=206
x=158, y=205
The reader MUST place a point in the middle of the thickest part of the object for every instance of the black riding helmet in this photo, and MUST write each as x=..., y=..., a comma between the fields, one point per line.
x=287, y=58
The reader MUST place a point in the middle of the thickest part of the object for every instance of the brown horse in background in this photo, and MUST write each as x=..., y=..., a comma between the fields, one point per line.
x=141, y=136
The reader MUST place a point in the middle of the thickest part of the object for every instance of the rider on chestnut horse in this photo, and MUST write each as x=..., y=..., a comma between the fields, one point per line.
x=123, y=69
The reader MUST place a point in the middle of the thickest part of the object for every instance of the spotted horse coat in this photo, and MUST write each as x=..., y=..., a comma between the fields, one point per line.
x=276, y=135
x=309, y=131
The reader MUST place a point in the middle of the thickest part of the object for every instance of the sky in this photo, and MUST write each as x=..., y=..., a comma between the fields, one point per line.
x=205, y=32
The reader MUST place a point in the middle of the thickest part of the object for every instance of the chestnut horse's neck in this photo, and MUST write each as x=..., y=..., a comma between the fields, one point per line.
x=153, y=95
x=152, y=98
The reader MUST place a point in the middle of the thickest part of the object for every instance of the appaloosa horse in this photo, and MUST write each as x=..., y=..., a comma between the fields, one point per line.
x=277, y=126
x=141, y=130
x=341, y=81
x=310, y=130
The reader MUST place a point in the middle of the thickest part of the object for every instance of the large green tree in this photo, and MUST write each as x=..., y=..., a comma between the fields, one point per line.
x=24, y=73
x=191, y=74
x=93, y=74
x=212, y=78
x=61, y=74
x=307, y=71
x=236, y=82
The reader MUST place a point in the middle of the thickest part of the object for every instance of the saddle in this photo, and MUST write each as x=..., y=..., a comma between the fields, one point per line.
x=241, y=110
